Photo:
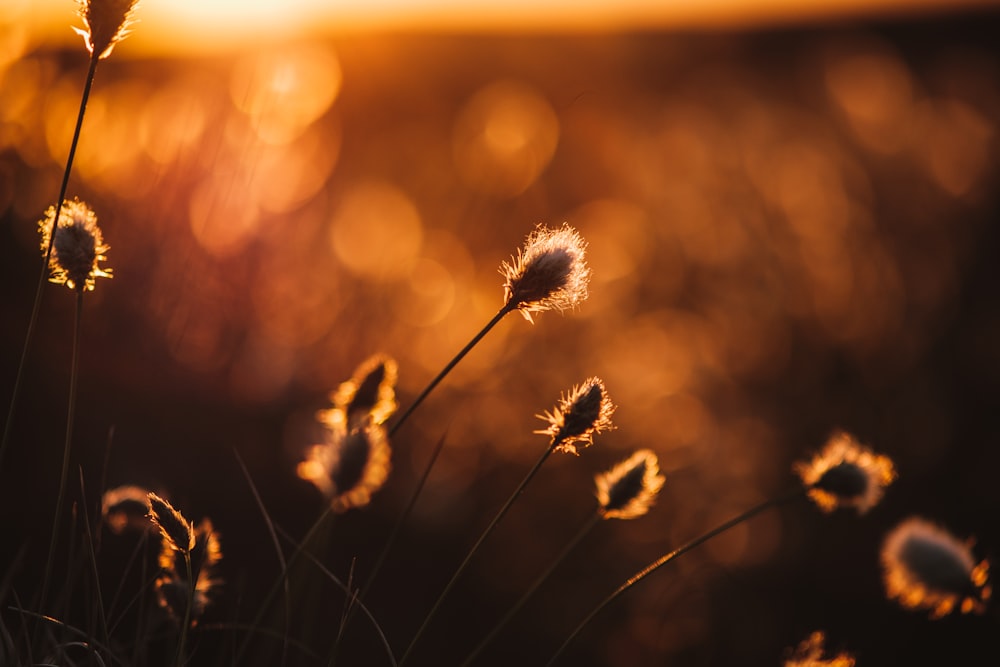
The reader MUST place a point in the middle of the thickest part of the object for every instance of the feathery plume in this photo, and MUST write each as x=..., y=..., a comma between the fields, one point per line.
x=348, y=469
x=810, y=654
x=172, y=588
x=106, y=23
x=628, y=490
x=126, y=507
x=585, y=411
x=176, y=530
x=548, y=273
x=77, y=248
x=370, y=392
x=846, y=474
x=926, y=567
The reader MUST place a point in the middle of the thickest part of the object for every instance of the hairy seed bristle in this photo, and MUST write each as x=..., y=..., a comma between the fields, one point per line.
x=106, y=23
x=173, y=526
x=629, y=489
x=846, y=474
x=126, y=507
x=926, y=567
x=582, y=413
x=548, y=273
x=77, y=247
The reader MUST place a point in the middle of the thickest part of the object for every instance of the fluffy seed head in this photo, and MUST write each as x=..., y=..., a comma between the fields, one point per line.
x=628, y=490
x=585, y=411
x=810, y=654
x=846, y=474
x=371, y=392
x=77, y=248
x=349, y=468
x=105, y=23
x=925, y=567
x=175, y=529
x=172, y=587
x=549, y=272
x=126, y=507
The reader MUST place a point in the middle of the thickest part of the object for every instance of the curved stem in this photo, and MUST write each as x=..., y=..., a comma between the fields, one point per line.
x=32, y=321
x=400, y=522
x=448, y=367
x=279, y=582
x=70, y=412
x=507, y=308
x=468, y=557
x=187, y=610
x=592, y=521
x=666, y=558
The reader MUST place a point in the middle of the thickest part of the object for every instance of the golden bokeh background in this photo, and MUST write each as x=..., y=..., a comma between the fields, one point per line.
x=791, y=226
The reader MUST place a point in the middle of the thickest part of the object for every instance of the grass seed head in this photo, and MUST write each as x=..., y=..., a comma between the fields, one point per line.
x=629, y=489
x=548, y=273
x=585, y=411
x=926, y=567
x=172, y=584
x=349, y=468
x=846, y=474
x=77, y=248
x=176, y=530
x=106, y=23
x=810, y=654
x=126, y=507
x=370, y=391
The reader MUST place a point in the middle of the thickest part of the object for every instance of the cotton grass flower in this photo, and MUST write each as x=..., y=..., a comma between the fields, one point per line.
x=175, y=529
x=106, y=23
x=348, y=469
x=846, y=474
x=548, y=273
x=77, y=248
x=810, y=654
x=172, y=588
x=582, y=413
x=371, y=392
x=628, y=490
x=126, y=507
x=926, y=567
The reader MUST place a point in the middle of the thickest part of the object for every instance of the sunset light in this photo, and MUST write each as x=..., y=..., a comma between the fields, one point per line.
x=441, y=332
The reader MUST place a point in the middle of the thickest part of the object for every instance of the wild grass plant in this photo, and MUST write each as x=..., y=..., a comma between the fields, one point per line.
x=169, y=577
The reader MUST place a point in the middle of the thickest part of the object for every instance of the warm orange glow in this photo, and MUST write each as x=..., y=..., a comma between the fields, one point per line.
x=194, y=25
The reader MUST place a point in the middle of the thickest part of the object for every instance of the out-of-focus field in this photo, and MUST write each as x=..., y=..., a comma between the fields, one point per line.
x=790, y=231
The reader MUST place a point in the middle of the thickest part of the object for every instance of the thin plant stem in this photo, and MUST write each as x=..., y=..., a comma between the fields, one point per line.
x=277, y=547
x=475, y=547
x=400, y=522
x=592, y=521
x=508, y=307
x=292, y=560
x=187, y=611
x=70, y=412
x=679, y=551
x=404, y=517
x=92, y=558
x=33, y=319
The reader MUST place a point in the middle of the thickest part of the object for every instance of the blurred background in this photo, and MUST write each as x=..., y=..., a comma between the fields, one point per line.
x=792, y=225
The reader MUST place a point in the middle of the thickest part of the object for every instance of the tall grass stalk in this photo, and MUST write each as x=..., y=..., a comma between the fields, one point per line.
x=584, y=530
x=475, y=547
x=42, y=275
x=182, y=640
x=400, y=522
x=507, y=308
x=792, y=494
x=70, y=412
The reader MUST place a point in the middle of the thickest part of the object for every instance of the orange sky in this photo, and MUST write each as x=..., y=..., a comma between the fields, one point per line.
x=200, y=25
